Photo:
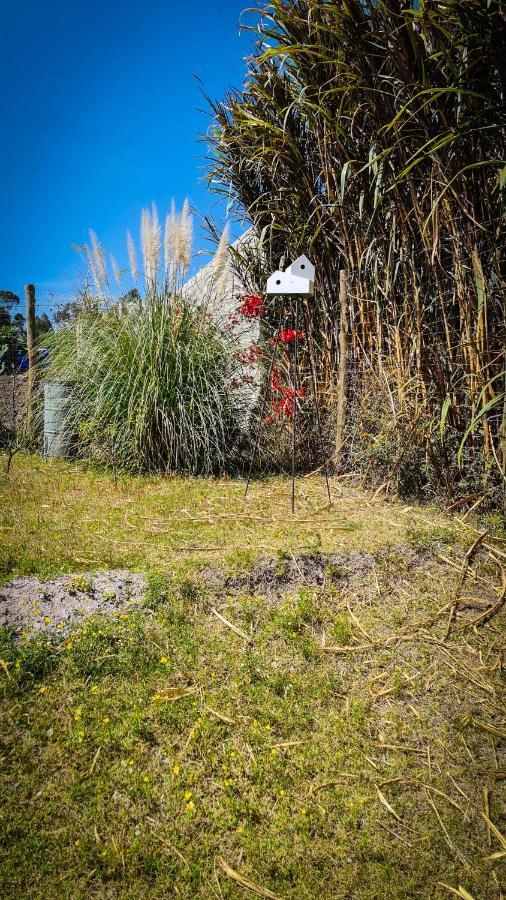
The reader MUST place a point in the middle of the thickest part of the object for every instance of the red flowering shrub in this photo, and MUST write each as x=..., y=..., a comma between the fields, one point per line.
x=252, y=306
x=250, y=356
x=283, y=403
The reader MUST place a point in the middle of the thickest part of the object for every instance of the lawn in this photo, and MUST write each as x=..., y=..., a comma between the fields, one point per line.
x=334, y=740
x=56, y=517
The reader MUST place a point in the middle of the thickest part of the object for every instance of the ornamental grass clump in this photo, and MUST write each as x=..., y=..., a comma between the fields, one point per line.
x=150, y=377
x=150, y=390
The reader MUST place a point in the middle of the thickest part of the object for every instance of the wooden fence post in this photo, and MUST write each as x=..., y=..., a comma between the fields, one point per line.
x=343, y=363
x=30, y=343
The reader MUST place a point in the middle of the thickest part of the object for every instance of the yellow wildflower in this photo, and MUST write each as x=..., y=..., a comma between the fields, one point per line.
x=164, y=660
x=43, y=689
x=188, y=795
x=190, y=806
x=106, y=720
x=176, y=768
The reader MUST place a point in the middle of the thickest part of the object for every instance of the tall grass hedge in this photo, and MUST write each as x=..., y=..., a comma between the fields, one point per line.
x=149, y=390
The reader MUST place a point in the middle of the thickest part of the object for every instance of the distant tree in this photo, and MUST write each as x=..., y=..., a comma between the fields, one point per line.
x=67, y=312
x=9, y=298
x=12, y=329
x=18, y=320
x=131, y=296
x=7, y=301
x=12, y=339
x=43, y=325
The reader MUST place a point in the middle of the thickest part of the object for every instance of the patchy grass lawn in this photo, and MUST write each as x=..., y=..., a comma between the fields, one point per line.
x=339, y=742
x=56, y=517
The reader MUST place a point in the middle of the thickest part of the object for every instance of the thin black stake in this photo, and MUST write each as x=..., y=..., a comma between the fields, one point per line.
x=264, y=401
x=294, y=427
x=317, y=409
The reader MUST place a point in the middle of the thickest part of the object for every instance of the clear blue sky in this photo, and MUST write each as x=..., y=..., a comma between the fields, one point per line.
x=99, y=113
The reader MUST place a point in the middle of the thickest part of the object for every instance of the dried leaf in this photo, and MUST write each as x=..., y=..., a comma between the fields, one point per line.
x=245, y=882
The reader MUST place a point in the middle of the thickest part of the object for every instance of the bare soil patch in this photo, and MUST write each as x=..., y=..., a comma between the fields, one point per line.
x=278, y=575
x=33, y=605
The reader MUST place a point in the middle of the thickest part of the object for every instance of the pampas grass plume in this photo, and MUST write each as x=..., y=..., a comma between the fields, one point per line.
x=221, y=257
x=115, y=268
x=186, y=240
x=132, y=256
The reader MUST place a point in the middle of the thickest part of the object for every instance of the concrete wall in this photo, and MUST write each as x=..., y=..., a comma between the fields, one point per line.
x=224, y=300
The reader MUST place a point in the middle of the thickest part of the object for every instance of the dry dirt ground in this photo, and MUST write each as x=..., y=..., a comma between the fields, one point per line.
x=34, y=605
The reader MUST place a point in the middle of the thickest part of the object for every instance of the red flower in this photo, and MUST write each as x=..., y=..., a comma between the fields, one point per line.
x=252, y=306
x=287, y=336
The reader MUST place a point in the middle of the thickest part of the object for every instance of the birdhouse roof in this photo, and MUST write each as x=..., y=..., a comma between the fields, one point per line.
x=302, y=266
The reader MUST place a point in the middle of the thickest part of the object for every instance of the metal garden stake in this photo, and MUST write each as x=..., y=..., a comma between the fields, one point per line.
x=296, y=281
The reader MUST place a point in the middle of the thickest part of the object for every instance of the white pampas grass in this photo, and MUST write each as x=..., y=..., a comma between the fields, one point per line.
x=132, y=257
x=91, y=263
x=145, y=241
x=176, y=242
x=155, y=242
x=115, y=268
x=151, y=242
x=186, y=238
x=224, y=281
x=167, y=245
x=222, y=253
x=176, y=238
x=98, y=257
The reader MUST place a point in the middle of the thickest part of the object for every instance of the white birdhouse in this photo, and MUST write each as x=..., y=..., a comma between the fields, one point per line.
x=303, y=267
x=281, y=283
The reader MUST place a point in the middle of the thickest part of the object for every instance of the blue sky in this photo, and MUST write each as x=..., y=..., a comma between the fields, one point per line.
x=101, y=114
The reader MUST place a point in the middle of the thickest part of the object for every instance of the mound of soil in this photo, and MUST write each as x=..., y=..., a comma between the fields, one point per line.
x=279, y=574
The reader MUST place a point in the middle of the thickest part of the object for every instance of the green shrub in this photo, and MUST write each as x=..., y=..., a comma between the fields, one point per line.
x=149, y=391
